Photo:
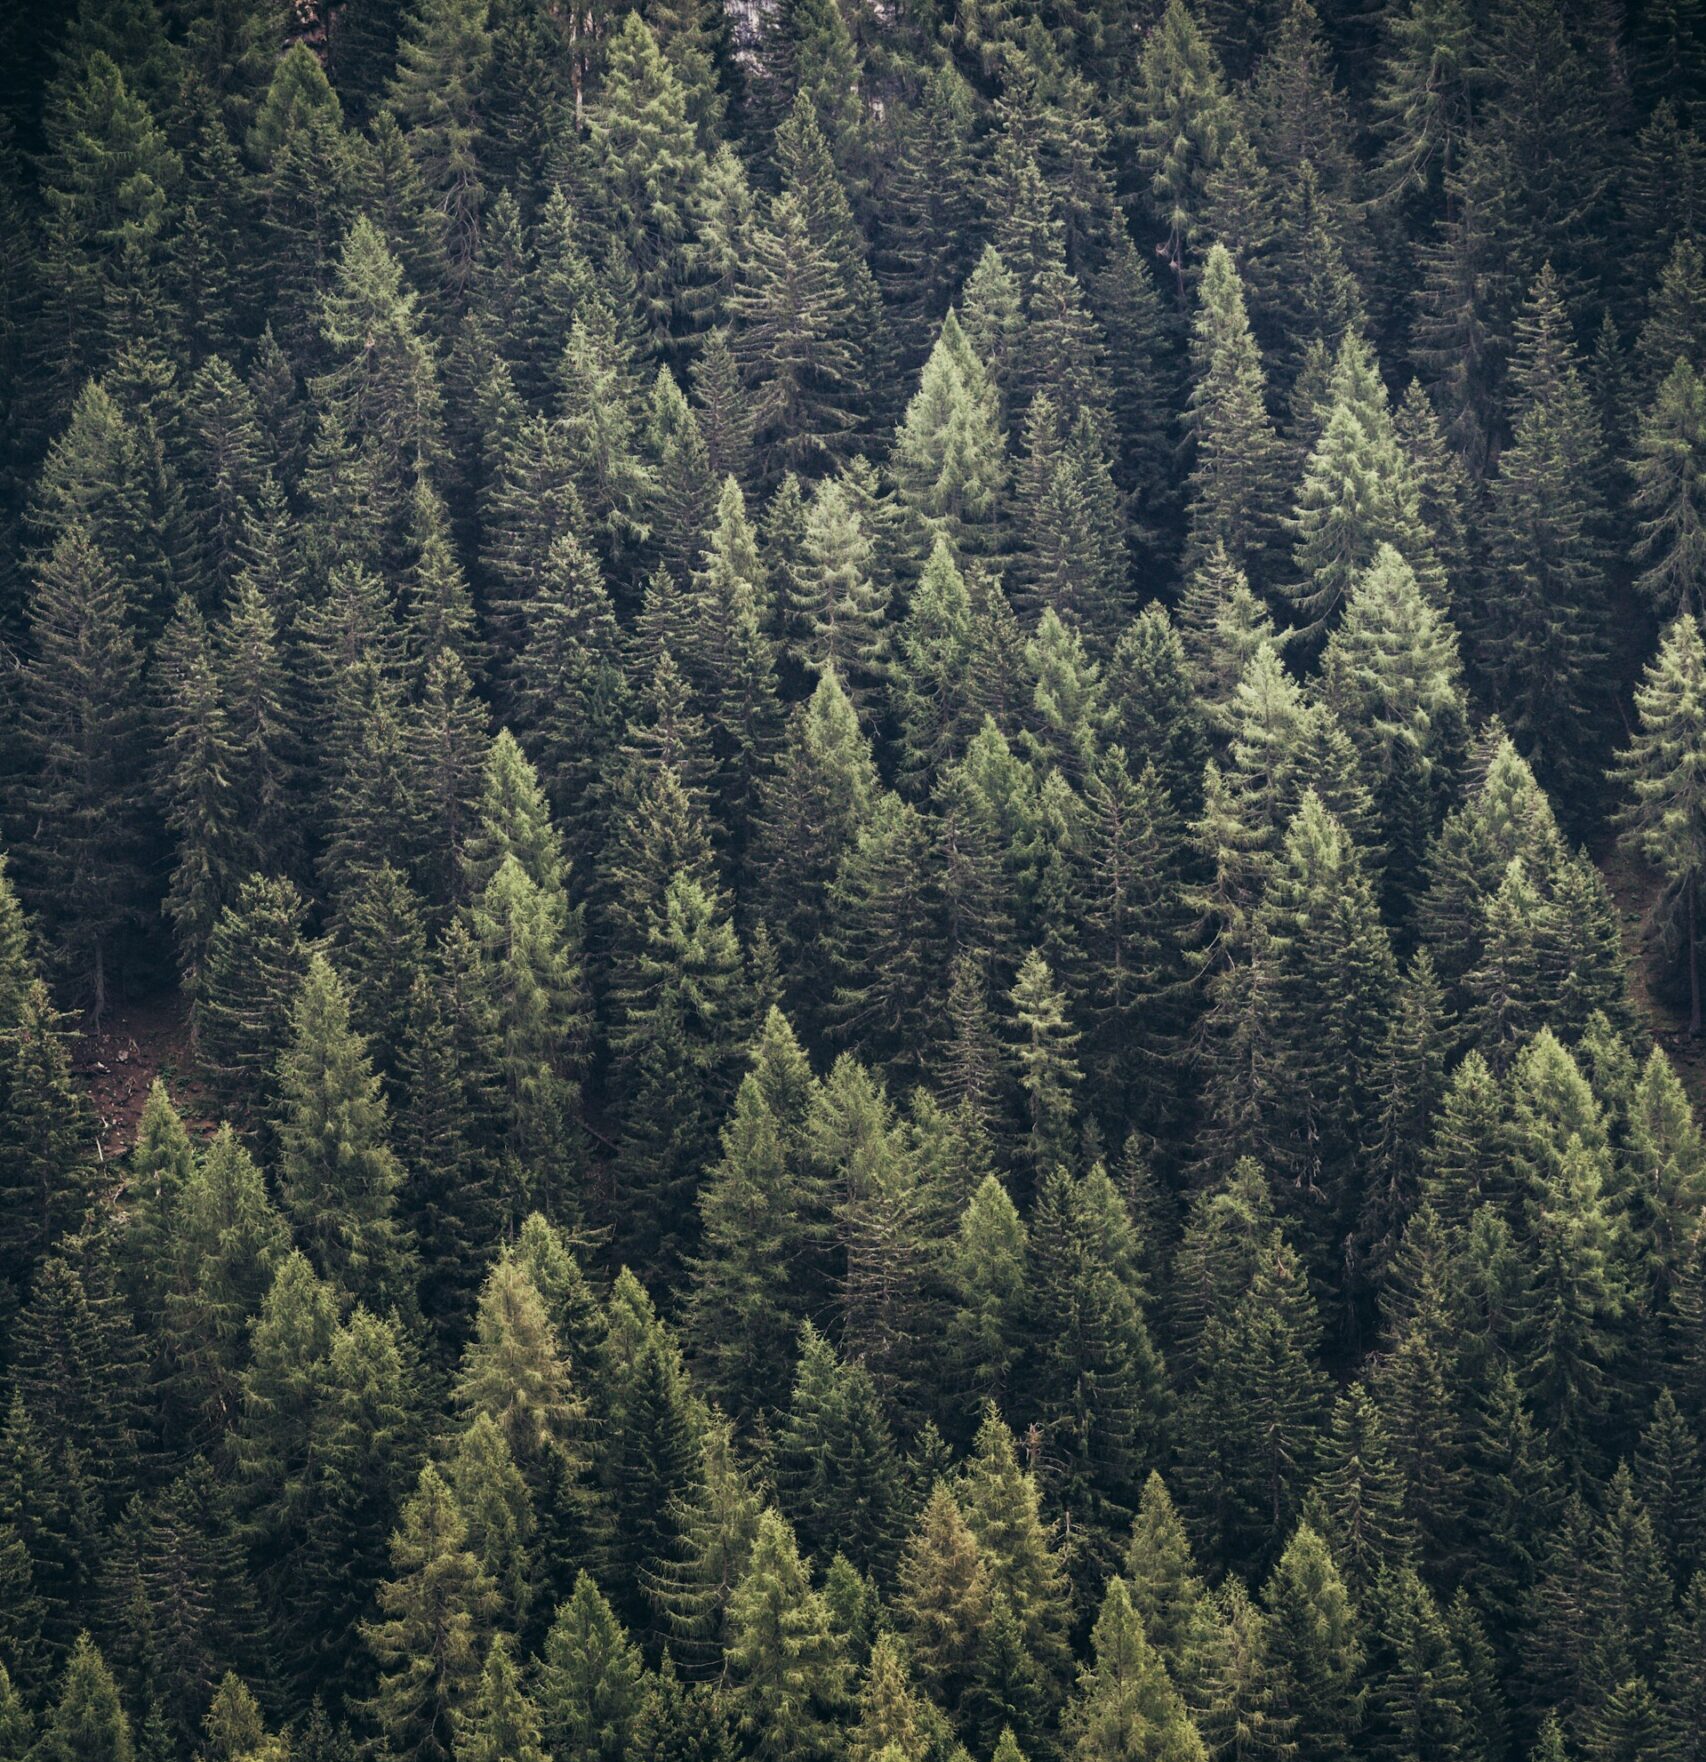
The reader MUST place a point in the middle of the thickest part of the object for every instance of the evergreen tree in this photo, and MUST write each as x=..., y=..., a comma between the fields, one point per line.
x=1315, y=1653
x=88, y=1722
x=80, y=703
x=789, y=1665
x=442, y=57
x=650, y=171
x=591, y=1683
x=1126, y=1707
x=1657, y=768
x=338, y=1175
x=1183, y=121
x=1667, y=493
x=434, y=1613
x=1234, y=481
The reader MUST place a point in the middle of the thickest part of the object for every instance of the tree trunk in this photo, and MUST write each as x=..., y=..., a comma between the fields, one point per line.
x=1693, y=954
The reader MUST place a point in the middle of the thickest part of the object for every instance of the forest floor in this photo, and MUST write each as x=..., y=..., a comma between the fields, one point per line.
x=1634, y=889
x=138, y=1042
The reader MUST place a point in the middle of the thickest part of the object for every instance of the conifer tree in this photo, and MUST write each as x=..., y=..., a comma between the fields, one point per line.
x=756, y=1211
x=1234, y=481
x=791, y=341
x=1003, y=1510
x=950, y=455
x=338, y=1175
x=434, y=1612
x=88, y=1722
x=1664, y=822
x=943, y=1602
x=591, y=1683
x=647, y=193
x=1167, y=1594
x=442, y=58
x=1125, y=1706
x=1184, y=119
x=1667, y=469
x=1314, y=1651
x=381, y=389
x=789, y=1666
x=80, y=702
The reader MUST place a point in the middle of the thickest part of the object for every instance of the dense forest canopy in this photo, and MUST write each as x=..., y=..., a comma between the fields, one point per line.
x=918, y=795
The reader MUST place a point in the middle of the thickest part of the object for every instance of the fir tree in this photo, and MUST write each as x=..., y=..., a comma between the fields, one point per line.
x=591, y=1683
x=1663, y=822
x=1234, y=483
x=1667, y=493
x=338, y=1175
x=80, y=701
x=788, y=1664
x=434, y=1612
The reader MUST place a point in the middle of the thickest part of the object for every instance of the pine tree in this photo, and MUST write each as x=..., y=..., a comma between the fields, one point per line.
x=1664, y=822
x=681, y=1011
x=793, y=346
x=756, y=1219
x=224, y=1242
x=1314, y=1652
x=88, y=1722
x=950, y=454
x=79, y=705
x=434, y=1611
x=943, y=1601
x=381, y=391
x=46, y=1134
x=442, y=58
x=1048, y=1073
x=1126, y=1708
x=1183, y=121
x=500, y=1724
x=109, y=178
x=1420, y=1701
x=647, y=192
x=1234, y=480
x=338, y=1175
x=789, y=1666
x=533, y=991
x=1167, y=1594
x=591, y=1683
x=1672, y=542
x=1002, y=1508
x=1095, y=1379
x=1356, y=494
x=1541, y=636
x=836, y=1463
x=246, y=989
x=1391, y=674
x=513, y=1371
x=1252, y=1421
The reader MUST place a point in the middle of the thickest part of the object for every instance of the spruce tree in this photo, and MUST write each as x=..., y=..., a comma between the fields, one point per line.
x=591, y=1680
x=80, y=706
x=1126, y=1707
x=1183, y=119
x=88, y=1722
x=1664, y=821
x=434, y=1612
x=789, y=1667
x=1234, y=480
x=1315, y=1653
x=1667, y=467
x=442, y=57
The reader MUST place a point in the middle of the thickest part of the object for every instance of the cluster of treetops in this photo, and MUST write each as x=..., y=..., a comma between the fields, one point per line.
x=867, y=740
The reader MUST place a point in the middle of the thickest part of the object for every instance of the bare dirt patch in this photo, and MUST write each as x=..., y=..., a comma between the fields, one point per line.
x=137, y=1043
